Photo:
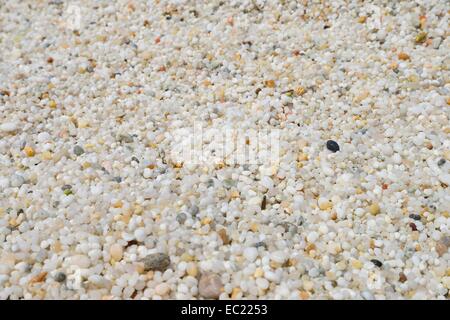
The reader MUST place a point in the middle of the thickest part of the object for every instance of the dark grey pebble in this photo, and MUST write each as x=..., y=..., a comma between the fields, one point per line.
x=261, y=244
x=78, y=150
x=415, y=216
x=181, y=218
x=441, y=162
x=194, y=210
x=60, y=277
x=117, y=179
x=157, y=262
x=125, y=138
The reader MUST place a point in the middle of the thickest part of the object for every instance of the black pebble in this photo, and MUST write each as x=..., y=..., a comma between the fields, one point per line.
x=414, y=216
x=332, y=146
x=441, y=162
x=376, y=262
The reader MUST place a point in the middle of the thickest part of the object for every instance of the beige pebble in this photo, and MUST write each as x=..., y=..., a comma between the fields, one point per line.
x=308, y=285
x=304, y=295
x=259, y=272
x=192, y=270
x=116, y=252
x=357, y=264
x=447, y=154
x=235, y=293
x=324, y=204
x=162, y=289
x=80, y=260
x=210, y=286
x=441, y=248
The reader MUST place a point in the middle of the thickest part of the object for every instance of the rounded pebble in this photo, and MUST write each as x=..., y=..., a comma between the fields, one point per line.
x=210, y=286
